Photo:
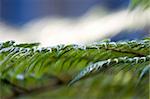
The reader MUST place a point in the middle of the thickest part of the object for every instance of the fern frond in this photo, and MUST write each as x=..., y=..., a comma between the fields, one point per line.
x=103, y=65
x=145, y=71
x=29, y=67
x=143, y=3
x=28, y=59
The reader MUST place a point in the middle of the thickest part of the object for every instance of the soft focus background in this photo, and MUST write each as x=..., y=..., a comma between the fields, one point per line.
x=19, y=12
x=52, y=22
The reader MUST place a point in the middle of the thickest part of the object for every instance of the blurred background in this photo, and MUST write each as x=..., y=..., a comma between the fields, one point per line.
x=68, y=21
x=19, y=12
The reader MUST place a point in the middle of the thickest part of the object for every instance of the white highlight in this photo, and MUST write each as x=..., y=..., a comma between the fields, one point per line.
x=50, y=32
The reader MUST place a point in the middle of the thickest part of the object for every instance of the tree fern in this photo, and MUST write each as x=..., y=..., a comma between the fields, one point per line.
x=27, y=68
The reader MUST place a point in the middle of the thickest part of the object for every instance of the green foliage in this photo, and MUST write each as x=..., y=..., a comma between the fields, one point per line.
x=143, y=3
x=107, y=69
x=103, y=65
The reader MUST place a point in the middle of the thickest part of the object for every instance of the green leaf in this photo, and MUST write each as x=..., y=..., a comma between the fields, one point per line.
x=112, y=67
